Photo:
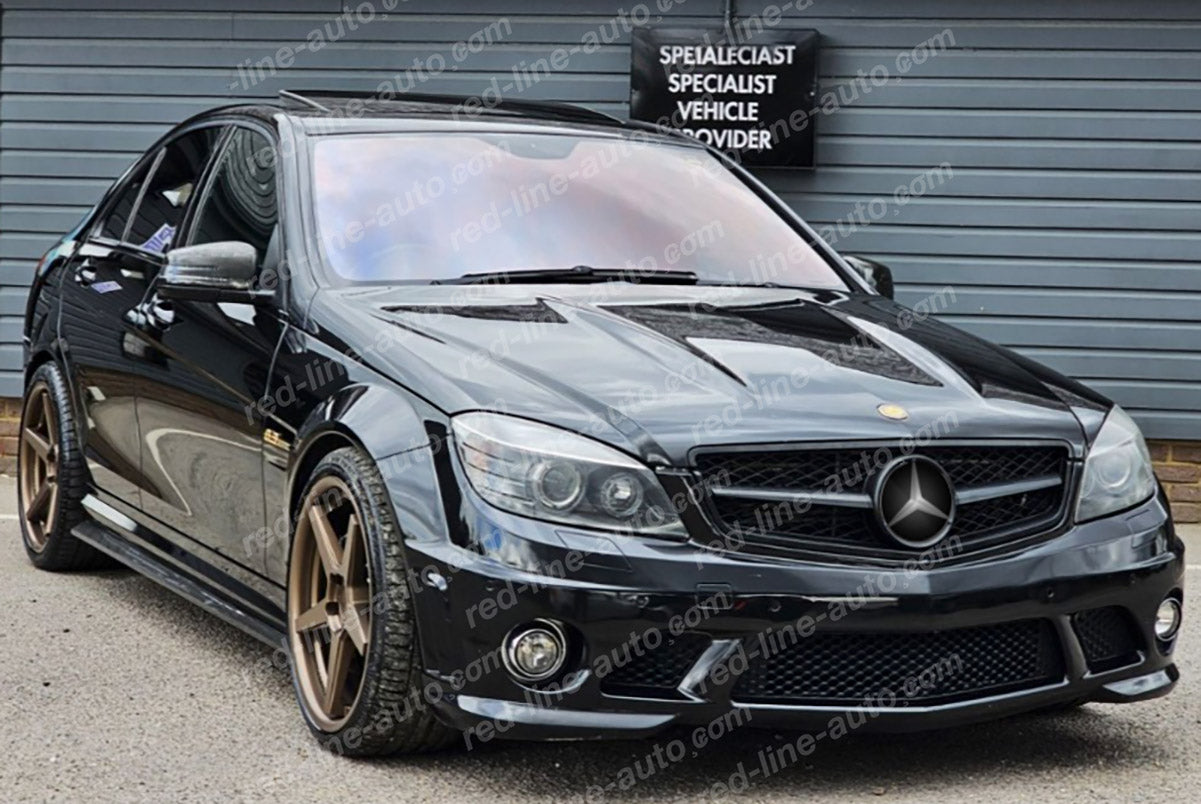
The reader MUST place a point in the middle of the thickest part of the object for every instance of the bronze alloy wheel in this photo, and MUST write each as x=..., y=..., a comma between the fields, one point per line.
x=329, y=603
x=352, y=627
x=38, y=466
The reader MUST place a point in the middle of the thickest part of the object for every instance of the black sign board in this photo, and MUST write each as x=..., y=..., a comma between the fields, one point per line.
x=753, y=99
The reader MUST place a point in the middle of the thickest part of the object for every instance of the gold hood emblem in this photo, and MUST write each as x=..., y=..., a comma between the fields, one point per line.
x=891, y=411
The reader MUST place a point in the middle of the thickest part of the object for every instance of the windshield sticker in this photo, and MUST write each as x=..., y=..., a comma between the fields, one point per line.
x=106, y=287
x=159, y=241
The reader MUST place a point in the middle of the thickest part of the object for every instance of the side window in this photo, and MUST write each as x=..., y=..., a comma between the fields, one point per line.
x=240, y=203
x=118, y=217
x=169, y=189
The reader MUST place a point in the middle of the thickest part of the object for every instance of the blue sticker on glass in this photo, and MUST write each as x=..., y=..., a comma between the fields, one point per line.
x=159, y=241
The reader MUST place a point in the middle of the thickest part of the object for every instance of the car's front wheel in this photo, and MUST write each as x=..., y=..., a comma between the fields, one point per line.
x=51, y=477
x=356, y=664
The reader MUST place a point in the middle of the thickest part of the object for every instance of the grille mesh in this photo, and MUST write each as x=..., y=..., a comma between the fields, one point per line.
x=813, y=469
x=800, y=469
x=1108, y=637
x=657, y=673
x=979, y=466
x=989, y=515
x=752, y=525
x=934, y=667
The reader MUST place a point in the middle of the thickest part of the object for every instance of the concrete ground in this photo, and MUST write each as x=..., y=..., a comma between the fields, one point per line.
x=117, y=690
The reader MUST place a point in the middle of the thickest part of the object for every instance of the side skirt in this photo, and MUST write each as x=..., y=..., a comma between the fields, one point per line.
x=146, y=563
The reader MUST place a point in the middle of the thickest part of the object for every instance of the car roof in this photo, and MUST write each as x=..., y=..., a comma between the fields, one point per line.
x=329, y=112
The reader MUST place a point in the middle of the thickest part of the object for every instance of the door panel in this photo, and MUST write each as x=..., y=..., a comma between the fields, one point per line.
x=201, y=433
x=108, y=279
x=100, y=286
x=201, y=426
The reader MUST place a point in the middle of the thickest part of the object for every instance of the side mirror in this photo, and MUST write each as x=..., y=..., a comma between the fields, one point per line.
x=874, y=273
x=210, y=272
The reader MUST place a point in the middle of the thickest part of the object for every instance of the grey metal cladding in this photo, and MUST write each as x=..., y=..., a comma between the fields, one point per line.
x=1070, y=227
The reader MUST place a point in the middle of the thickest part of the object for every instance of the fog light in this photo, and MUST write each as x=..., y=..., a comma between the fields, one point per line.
x=536, y=651
x=1167, y=619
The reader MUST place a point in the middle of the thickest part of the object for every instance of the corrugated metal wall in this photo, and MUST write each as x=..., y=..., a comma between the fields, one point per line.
x=1069, y=225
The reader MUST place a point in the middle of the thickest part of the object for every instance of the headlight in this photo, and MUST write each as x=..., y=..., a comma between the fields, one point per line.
x=1117, y=471
x=547, y=473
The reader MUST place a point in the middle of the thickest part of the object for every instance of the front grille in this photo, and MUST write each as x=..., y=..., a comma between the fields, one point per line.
x=656, y=673
x=981, y=465
x=989, y=516
x=799, y=469
x=779, y=528
x=1108, y=637
x=851, y=668
x=813, y=468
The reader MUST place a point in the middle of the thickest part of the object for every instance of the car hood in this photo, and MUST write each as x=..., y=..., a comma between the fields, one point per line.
x=659, y=370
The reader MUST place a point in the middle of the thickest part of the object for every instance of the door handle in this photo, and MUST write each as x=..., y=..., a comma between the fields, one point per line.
x=159, y=313
x=154, y=315
x=86, y=272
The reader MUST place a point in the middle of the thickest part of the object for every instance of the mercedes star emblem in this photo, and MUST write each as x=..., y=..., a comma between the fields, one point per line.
x=915, y=501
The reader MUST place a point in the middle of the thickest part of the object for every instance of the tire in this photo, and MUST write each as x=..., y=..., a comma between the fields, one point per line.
x=61, y=474
x=379, y=707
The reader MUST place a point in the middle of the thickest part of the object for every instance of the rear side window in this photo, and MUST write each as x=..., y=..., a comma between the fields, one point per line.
x=169, y=189
x=240, y=202
x=118, y=217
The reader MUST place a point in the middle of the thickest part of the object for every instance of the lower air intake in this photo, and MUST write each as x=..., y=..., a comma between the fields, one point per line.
x=849, y=669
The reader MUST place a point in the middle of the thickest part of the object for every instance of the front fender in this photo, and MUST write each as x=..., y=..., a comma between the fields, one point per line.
x=405, y=436
x=398, y=430
x=407, y=440
x=382, y=421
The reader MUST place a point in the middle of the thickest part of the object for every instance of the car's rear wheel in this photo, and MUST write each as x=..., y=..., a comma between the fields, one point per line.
x=51, y=477
x=355, y=659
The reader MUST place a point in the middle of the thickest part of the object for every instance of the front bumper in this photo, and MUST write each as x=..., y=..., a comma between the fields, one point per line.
x=611, y=593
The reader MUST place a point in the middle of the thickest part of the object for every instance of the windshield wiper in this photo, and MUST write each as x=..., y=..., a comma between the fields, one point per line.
x=578, y=273
x=735, y=283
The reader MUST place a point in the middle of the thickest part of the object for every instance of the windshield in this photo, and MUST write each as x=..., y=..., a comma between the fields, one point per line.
x=424, y=207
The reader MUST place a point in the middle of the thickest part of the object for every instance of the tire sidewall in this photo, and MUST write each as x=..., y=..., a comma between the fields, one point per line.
x=51, y=376
x=389, y=607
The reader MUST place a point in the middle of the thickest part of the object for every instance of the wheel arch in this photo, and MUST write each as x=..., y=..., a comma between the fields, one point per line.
x=43, y=344
x=52, y=352
x=381, y=421
x=37, y=359
x=322, y=443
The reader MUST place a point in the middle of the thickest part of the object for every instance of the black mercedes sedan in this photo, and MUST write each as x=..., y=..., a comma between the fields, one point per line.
x=521, y=421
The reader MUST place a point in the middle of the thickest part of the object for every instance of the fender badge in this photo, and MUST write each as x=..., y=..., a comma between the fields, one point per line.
x=275, y=439
x=891, y=411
